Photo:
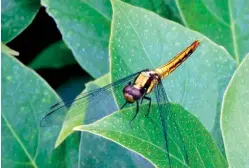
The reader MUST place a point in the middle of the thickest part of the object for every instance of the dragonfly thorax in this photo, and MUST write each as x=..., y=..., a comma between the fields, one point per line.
x=147, y=80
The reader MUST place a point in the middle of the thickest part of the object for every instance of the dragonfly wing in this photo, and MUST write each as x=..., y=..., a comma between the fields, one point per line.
x=174, y=142
x=162, y=99
x=57, y=113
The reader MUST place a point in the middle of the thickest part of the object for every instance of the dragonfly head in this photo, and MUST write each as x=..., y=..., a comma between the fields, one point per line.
x=132, y=94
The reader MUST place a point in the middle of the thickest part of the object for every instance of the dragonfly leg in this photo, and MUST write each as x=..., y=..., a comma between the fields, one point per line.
x=142, y=100
x=137, y=110
x=147, y=98
x=123, y=105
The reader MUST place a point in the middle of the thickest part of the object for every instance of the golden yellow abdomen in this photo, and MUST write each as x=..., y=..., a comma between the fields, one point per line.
x=170, y=66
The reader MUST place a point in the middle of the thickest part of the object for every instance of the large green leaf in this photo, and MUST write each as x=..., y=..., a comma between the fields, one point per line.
x=225, y=22
x=56, y=55
x=141, y=39
x=85, y=27
x=194, y=148
x=16, y=16
x=235, y=117
x=25, y=98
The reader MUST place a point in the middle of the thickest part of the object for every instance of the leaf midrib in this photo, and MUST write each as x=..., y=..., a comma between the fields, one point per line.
x=38, y=128
x=195, y=147
x=139, y=38
x=214, y=15
x=233, y=34
x=19, y=141
x=90, y=6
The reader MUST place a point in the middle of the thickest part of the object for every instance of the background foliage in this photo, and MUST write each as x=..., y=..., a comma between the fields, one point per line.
x=92, y=43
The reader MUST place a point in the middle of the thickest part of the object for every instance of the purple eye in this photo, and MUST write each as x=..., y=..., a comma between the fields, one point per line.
x=132, y=94
x=136, y=94
x=127, y=89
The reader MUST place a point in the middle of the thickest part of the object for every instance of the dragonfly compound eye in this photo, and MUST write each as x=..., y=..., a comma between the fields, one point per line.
x=137, y=93
x=127, y=89
x=127, y=94
x=132, y=94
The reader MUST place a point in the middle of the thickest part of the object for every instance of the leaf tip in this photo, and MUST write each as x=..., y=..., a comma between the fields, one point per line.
x=200, y=39
x=57, y=143
x=8, y=50
x=78, y=128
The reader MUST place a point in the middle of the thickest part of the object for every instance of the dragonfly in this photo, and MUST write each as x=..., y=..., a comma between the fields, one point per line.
x=134, y=88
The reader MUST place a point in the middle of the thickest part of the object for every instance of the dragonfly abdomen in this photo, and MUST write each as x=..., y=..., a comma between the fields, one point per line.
x=170, y=66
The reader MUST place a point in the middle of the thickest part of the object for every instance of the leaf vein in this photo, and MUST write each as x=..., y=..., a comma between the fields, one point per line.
x=232, y=27
x=19, y=141
x=139, y=38
x=193, y=145
x=109, y=19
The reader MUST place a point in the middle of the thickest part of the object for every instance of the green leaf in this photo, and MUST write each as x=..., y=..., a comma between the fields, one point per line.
x=146, y=137
x=85, y=27
x=93, y=152
x=165, y=8
x=225, y=22
x=235, y=117
x=85, y=30
x=72, y=147
x=141, y=39
x=7, y=50
x=26, y=97
x=57, y=55
x=16, y=16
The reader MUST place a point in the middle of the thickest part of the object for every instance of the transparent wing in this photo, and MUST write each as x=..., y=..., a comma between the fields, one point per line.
x=174, y=142
x=91, y=100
